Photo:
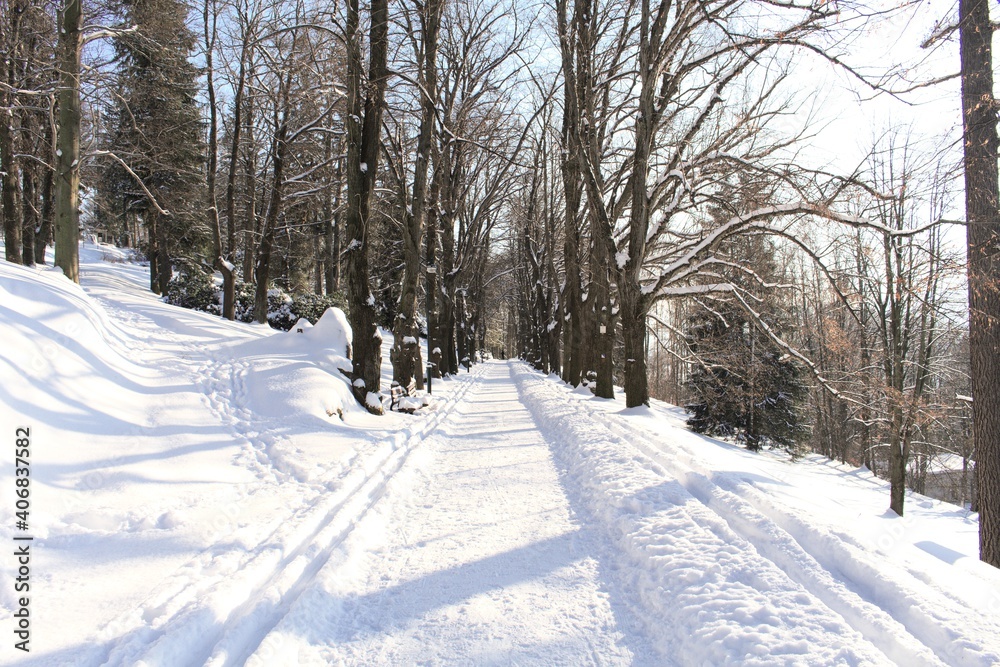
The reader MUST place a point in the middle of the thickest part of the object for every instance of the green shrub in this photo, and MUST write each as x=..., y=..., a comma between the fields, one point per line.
x=197, y=290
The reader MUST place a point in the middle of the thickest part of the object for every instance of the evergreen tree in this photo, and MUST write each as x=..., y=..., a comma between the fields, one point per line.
x=744, y=387
x=155, y=129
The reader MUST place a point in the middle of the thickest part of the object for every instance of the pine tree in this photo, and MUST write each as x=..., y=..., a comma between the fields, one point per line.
x=744, y=387
x=155, y=129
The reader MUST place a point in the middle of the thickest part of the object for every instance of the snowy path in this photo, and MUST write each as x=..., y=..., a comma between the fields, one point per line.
x=734, y=575
x=519, y=525
x=474, y=558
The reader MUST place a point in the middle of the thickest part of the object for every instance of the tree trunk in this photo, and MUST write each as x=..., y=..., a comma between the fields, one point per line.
x=446, y=273
x=250, y=172
x=164, y=264
x=461, y=329
x=234, y=152
x=262, y=268
x=365, y=104
x=221, y=263
x=633, y=317
x=572, y=176
x=153, y=252
x=433, y=338
x=333, y=268
x=600, y=297
x=983, y=247
x=406, y=360
x=67, y=234
x=44, y=236
x=29, y=209
x=8, y=182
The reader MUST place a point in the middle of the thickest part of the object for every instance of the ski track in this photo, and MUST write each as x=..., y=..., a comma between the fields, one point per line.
x=719, y=599
x=212, y=609
x=475, y=557
x=836, y=569
x=937, y=629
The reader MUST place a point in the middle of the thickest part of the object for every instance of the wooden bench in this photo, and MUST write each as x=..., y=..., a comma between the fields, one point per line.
x=398, y=391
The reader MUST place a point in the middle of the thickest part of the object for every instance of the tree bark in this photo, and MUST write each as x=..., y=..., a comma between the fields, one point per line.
x=164, y=264
x=983, y=250
x=67, y=234
x=446, y=271
x=234, y=149
x=262, y=267
x=365, y=104
x=432, y=287
x=250, y=221
x=29, y=208
x=333, y=268
x=406, y=359
x=9, y=185
x=575, y=88
x=221, y=263
x=44, y=236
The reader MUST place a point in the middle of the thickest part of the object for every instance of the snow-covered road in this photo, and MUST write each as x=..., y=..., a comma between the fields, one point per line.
x=474, y=556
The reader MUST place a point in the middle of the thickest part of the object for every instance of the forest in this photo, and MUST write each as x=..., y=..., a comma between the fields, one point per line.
x=624, y=194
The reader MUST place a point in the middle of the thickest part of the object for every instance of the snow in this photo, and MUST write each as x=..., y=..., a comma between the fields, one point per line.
x=207, y=492
x=621, y=258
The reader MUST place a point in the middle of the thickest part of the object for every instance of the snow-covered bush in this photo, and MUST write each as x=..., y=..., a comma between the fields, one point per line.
x=312, y=306
x=196, y=290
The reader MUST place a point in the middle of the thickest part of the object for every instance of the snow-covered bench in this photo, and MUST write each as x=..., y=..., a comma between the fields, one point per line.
x=397, y=392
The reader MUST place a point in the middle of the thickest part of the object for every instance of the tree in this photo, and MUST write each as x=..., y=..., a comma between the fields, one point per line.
x=742, y=385
x=156, y=132
x=365, y=105
x=980, y=141
x=27, y=38
x=222, y=264
x=406, y=359
x=67, y=168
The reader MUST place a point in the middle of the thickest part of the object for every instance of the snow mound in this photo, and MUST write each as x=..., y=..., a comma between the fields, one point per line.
x=334, y=330
x=299, y=375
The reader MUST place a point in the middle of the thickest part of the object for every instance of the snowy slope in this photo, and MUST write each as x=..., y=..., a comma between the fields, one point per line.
x=205, y=492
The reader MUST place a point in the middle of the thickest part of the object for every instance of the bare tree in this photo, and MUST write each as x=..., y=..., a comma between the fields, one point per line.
x=67, y=167
x=406, y=358
x=210, y=14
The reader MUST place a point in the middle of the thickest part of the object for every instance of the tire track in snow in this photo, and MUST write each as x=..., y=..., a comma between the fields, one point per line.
x=217, y=609
x=912, y=610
